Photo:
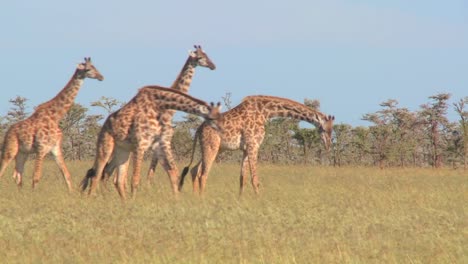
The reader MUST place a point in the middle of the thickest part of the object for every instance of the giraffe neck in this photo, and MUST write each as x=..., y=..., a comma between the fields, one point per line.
x=280, y=107
x=169, y=99
x=58, y=106
x=184, y=79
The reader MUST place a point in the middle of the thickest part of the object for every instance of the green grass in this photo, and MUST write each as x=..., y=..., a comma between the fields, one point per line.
x=303, y=215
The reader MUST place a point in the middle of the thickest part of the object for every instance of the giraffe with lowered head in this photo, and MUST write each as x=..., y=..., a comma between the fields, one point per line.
x=181, y=83
x=134, y=128
x=243, y=127
x=40, y=133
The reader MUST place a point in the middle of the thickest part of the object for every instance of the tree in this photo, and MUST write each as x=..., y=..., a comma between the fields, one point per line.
x=277, y=143
x=108, y=104
x=15, y=114
x=342, y=145
x=227, y=100
x=307, y=138
x=184, y=131
x=312, y=104
x=406, y=131
x=18, y=111
x=434, y=116
x=381, y=131
x=361, y=146
x=461, y=141
x=79, y=132
x=89, y=133
x=393, y=134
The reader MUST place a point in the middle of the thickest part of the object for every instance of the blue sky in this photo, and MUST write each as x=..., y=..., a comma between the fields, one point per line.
x=350, y=55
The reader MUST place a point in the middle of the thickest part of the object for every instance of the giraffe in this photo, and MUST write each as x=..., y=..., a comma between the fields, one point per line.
x=243, y=127
x=132, y=130
x=40, y=133
x=181, y=83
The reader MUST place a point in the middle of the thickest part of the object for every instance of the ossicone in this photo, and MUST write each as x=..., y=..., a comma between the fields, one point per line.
x=218, y=104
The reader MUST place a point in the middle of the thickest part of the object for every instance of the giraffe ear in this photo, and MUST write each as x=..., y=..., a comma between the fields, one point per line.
x=203, y=109
x=192, y=54
x=80, y=66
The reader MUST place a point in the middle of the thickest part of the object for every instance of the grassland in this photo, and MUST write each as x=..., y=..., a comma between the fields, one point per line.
x=303, y=215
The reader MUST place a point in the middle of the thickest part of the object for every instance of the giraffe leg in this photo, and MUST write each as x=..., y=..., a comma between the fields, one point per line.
x=164, y=153
x=205, y=169
x=253, y=143
x=195, y=171
x=109, y=171
x=120, y=160
x=104, y=152
x=4, y=165
x=40, y=155
x=253, y=168
x=243, y=175
x=58, y=156
x=120, y=180
x=210, y=143
x=10, y=150
x=19, y=168
x=167, y=162
x=96, y=178
x=249, y=163
x=152, y=167
x=137, y=160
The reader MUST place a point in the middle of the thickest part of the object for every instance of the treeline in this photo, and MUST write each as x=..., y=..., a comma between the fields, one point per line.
x=395, y=137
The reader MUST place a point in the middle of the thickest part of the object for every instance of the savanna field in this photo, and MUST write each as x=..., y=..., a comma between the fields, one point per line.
x=304, y=214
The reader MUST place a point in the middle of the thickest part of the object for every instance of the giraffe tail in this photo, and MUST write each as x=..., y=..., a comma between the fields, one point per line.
x=182, y=177
x=186, y=169
x=85, y=182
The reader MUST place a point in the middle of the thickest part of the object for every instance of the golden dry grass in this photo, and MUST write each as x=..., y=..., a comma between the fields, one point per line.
x=303, y=215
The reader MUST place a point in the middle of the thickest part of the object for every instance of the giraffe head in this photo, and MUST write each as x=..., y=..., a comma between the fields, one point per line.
x=87, y=70
x=199, y=57
x=212, y=115
x=211, y=112
x=326, y=129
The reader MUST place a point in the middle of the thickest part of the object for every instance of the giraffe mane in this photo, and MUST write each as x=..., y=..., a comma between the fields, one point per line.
x=321, y=117
x=270, y=97
x=173, y=91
